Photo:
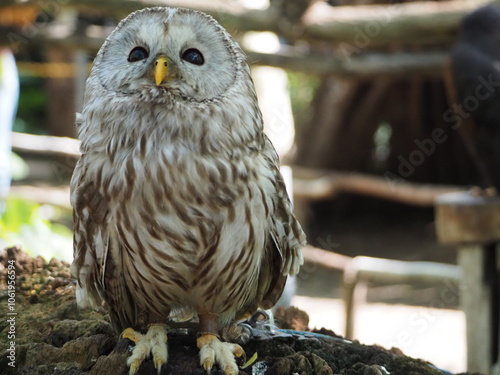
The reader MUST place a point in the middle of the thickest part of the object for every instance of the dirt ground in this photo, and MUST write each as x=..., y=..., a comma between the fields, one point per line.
x=52, y=336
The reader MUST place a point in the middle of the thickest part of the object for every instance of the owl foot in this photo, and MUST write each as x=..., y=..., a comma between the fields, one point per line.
x=212, y=350
x=153, y=342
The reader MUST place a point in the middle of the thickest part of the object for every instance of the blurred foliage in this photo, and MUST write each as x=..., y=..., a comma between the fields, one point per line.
x=382, y=146
x=302, y=89
x=33, y=226
x=32, y=106
x=26, y=224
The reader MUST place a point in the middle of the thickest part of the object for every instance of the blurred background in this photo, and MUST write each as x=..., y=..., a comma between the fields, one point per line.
x=368, y=106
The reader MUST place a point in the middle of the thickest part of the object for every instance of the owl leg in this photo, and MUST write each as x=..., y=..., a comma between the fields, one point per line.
x=213, y=350
x=153, y=342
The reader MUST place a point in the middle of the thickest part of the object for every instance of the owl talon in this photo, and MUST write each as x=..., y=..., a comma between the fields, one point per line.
x=134, y=367
x=158, y=362
x=207, y=366
x=132, y=335
x=212, y=350
x=153, y=342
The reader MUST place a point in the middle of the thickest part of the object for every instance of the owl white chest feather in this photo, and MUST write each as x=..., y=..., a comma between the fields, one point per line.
x=191, y=185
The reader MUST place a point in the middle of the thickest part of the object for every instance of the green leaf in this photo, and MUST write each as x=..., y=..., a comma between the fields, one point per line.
x=23, y=224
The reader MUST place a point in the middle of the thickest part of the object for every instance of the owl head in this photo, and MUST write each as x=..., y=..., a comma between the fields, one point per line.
x=179, y=51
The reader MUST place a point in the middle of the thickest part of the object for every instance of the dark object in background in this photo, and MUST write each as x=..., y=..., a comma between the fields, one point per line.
x=475, y=64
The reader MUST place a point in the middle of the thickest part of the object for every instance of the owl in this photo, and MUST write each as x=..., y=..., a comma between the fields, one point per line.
x=179, y=206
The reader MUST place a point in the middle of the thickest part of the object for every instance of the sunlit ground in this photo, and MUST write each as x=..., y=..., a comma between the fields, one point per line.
x=435, y=335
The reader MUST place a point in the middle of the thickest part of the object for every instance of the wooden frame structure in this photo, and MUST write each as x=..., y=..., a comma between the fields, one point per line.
x=472, y=224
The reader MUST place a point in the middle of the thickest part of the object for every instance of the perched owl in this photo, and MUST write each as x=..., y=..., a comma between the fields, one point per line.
x=179, y=206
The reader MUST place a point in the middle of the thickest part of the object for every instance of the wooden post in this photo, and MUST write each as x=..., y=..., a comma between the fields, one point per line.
x=473, y=224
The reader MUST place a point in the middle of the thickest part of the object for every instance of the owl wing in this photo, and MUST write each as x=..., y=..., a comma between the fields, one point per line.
x=99, y=274
x=284, y=242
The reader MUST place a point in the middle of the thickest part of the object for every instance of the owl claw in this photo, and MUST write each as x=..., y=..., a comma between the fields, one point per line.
x=153, y=342
x=133, y=368
x=207, y=365
x=132, y=335
x=212, y=350
x=158, y=362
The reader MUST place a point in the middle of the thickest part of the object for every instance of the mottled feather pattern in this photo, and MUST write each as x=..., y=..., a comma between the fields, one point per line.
x=178, y=201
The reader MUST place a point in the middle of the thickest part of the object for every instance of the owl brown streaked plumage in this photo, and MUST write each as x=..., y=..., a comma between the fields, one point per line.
x=179, y=205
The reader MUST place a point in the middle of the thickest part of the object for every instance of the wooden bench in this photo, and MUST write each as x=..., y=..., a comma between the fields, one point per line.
x=472, y=224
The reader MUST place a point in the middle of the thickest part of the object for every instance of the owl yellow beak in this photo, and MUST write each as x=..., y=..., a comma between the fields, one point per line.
x=161, y=69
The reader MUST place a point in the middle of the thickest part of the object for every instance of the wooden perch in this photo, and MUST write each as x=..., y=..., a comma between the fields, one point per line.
x=56, y=196
x=316, y=185
x=46, y=145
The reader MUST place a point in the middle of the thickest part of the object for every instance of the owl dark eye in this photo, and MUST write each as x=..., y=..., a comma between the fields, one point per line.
x=193, y=56
x=137, y=54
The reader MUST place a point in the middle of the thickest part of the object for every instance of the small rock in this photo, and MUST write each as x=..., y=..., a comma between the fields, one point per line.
x=58, y=282
x=114, y=363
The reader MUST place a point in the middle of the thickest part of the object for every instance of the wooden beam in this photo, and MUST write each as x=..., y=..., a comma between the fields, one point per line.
x=324, y=258
x=373, y=25
x=398, y=64
x=53, y=195
x=357, y=27
x=228, y=12
x=46, y=145
x=453, y=218
x=313, y=184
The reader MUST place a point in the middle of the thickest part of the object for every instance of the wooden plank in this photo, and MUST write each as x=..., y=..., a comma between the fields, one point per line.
x=399, y=271
x=463, y=217
x=314, y=184
x=329, y=259
x=46, y=145
x=398, y=64
x=373, y=25
x=356, y=26
x=53, y=195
